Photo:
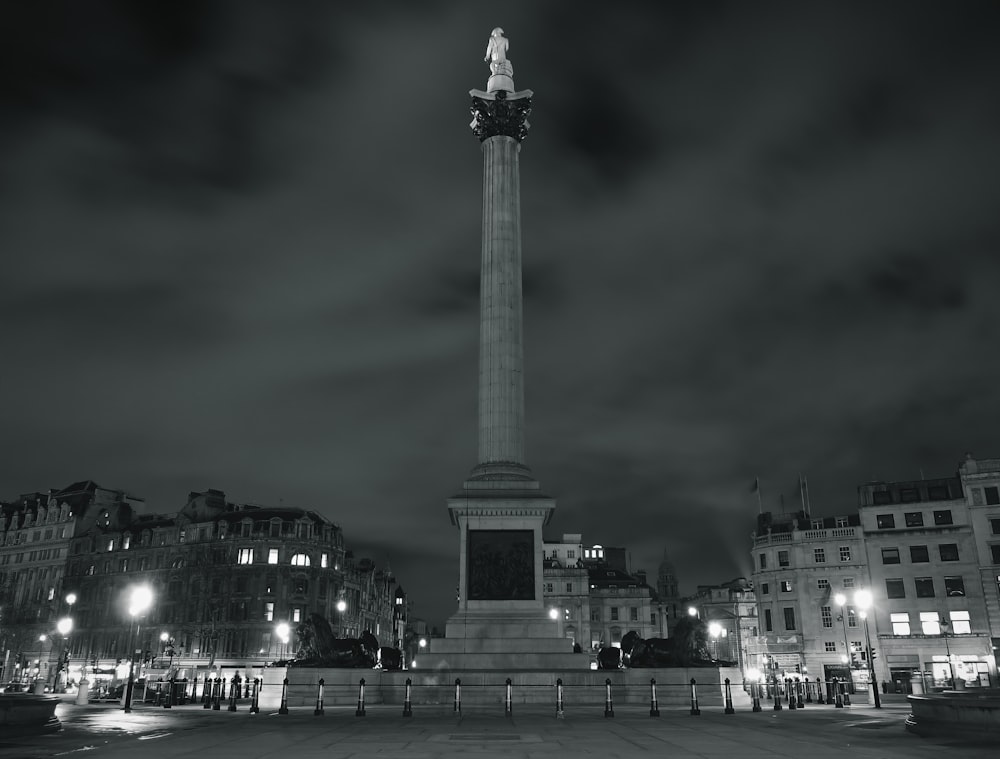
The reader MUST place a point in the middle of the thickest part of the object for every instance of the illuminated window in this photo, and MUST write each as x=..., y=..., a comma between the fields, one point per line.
x=111, y=545
x=900, y=623
x=786, y=586
x=929, y=623
x=126, y=541
x=296, y=614
x=245, y=556
x=300, y=560
x=324, y=560
x=269, y=611
x=960, y=622
x=272, y=556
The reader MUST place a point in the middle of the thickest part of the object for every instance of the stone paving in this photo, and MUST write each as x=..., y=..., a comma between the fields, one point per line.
x=816, y=732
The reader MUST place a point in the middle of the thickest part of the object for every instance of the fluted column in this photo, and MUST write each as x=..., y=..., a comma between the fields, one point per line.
x=501, y=354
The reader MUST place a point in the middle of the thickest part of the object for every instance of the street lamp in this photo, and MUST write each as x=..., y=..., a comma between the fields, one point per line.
x=64, y=626
x=944, y=624
x=863, y=600
x=716, y=631
x=140, y=599
x=282, y=630
x=168, y=648
x=341, y=608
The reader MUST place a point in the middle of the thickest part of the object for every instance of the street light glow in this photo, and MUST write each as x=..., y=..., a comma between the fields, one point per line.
x=840, y=599
x=692, y=611
x=283, y=630
x=553, y=614
x=341, y=605
x=71, y=599
x=863, y=599
x=714, y=629
x=140, y=599
x=64, y=626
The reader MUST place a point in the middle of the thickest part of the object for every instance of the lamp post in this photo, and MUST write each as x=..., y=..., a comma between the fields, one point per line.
x=944, y=624
x=341, y=608
x=282, y=630
x=863, y=600
x=64, y=626
x=168, y=648
x=715, y=631
x=140, y=599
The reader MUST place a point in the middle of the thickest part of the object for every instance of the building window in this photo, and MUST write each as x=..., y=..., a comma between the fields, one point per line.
x=245, y=556
x=900, y=623
x=914, y=519
x=763, y=561
x=272, y=556
x=830, y=646
x=960, y=622
x=819, y=555
x=275, y=528
x=995, y=552
x=885, y=521
x=569, y=587
x=852, y=616
x=992, y=495
x=767, y=620
x=123, y=565
x=324, y=560
x=570, y=554
x=633, y=614
x=786, y=586
x=181, y=535
x=919, y=554
x=848, y=582
x=826, y=615
x=765, y=588
x=111, y=545
x=783, y=558
x=948, y=551
x=942, y=517
x=296, y=614
x=300, y=560
x=845, y=553
x=817, y=524
x=595, y=613
x=614, y=613
x=549, y=588
x=789, y=618
x=841, y=521
x=925, y=587
x=995, y=526
x=895, y=588
x=300, y=586
x=954, y=586
x=929, y=623
x=890, y=555
x=822, y=583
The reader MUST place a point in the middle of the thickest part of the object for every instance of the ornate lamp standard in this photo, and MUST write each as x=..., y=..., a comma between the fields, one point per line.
x=282, y=630
x=863, y=600
x=944, y=624
x=168, y=648
x=140, y=599
x=341, y=608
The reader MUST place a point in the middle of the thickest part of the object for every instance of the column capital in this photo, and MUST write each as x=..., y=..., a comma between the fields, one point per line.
x=499, y=114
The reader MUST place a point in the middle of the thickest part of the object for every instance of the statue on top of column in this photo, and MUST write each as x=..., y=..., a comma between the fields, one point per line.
x=496, y=54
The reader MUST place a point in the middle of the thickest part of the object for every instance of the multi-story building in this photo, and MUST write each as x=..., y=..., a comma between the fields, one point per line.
x=566, y=588
x=729, y=611
x=35, y=532
x=230, y=582
x=806, y=570
x=981, y=481
x=928, y=608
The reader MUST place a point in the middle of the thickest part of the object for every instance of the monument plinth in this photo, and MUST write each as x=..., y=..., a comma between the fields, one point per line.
x=501, y=622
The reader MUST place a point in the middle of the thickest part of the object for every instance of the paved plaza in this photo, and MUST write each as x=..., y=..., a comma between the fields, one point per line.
x=816, y=732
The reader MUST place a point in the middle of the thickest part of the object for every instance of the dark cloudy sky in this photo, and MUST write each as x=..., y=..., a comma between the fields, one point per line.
x=239, y=248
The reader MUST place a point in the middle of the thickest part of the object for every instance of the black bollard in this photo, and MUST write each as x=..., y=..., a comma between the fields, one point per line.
x=559, y=699
x=458, y=695
x=790, y=693
x=836, y=690
x=254, y=697
x=654, y=707
x=170, y=694
x=247, y=693
x=234, y=689
x=361, y=699
x=820, y=687
x=206, y=694
x=777, y=695
x=283, y=709
x=755, y=696
x=847, y=691
x=508, y=701
x=319, y=698
x=609, y=706
x=798, y=694
x=695, y=711
x=407, y=704
x=729, y=699
x=809, y=694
